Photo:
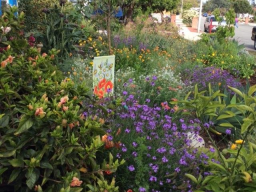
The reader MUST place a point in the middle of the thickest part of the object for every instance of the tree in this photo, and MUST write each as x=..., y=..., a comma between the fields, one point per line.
x=211, y=5
x=132, y=6
x=242, y=6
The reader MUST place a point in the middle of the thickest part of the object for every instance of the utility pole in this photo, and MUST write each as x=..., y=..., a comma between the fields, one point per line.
x=200, y=16
x=181, y=8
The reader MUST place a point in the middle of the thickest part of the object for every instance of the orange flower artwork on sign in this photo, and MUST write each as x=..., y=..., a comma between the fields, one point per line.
x=103, y=76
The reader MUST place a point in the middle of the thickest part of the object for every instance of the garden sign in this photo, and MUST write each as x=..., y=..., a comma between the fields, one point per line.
x=103, y=75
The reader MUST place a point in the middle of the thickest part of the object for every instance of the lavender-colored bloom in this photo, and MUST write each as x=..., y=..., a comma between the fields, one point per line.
x=141, y=189
x=152, y=179
x=177, y=169
x=228, y=131
x=154, y=78
x=124, y=149
x=147, y=100
x=118, y=155
x=127, y=130
x=131, y=168
x=161, y=150
x=110, y=138
x=212, y=149
x=134, y=154
x=134, y=144
x=152, y=83
x=147, y=78
x=149, y=147
x=164, y=160
x=125, y=93
x=206, y=125
x=130, y=80
x=168, y=180
x=154, y=158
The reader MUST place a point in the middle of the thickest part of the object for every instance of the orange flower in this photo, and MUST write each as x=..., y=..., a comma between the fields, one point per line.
x=165, y=106
x=52, y=56
x=71, y=125
x=172, y=89
x=109, y=144
x=64, y=108
x=44, y=55
x=104, y=138
x=10, y=59
x=108, y=86
x=98, y=93
x=174, y=99
x=75, y=182
x=40, y=112
x=176, y=108
x=3, y=64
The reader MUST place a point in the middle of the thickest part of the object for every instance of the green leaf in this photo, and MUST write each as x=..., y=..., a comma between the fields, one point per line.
x=218, y=166
x=236, y=91
x=245, y=126
x=225, y=116
x=4, y=121
x=31, y=176
x=76, y=189
x=251, y=90
x=8, y=153
x=2, y=170
x=14, y=175
x=46, y=165
x=191, y=177
x=16, y=162
x=24, y=125
x=226, y=125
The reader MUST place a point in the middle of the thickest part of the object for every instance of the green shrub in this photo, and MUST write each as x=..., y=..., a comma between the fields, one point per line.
x=47, y=144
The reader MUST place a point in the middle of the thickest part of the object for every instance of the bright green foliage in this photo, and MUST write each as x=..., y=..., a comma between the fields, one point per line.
x=242, y=6
x=34, y=11
x=210, y=5
x=46, y=143
x=188, y=16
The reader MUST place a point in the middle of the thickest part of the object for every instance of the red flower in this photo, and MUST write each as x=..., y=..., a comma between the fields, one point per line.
x=102, y=83
x=129, y=190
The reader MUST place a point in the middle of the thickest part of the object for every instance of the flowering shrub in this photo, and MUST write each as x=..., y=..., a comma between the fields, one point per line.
x=218, y=78
x=46, y=142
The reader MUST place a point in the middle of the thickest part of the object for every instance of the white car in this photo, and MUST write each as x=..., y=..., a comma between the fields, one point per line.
x=215, y=23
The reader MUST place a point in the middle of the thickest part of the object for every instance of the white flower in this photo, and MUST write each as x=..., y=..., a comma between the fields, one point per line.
x=6, y=29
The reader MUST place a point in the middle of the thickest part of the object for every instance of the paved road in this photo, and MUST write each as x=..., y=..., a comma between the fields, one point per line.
x=243, y=35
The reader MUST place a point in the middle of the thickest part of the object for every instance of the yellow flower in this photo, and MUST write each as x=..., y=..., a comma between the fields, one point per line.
x=89, y=39
x=213, y=54
x=100, y=38
x=91, y=63
x=239, y=141
x=233, y=146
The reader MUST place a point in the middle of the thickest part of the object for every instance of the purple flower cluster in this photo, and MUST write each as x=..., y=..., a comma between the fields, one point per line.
x=217, y=77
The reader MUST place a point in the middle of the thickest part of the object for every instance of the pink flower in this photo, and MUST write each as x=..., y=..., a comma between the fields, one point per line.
x=75, y=182
x=64, y=99
x=40, y=112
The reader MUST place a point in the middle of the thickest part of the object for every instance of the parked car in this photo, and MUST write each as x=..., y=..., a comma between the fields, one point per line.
x=253, y=37
x=215, y=23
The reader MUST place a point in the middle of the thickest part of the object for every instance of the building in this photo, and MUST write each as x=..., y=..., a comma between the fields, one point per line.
x=9, y=2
